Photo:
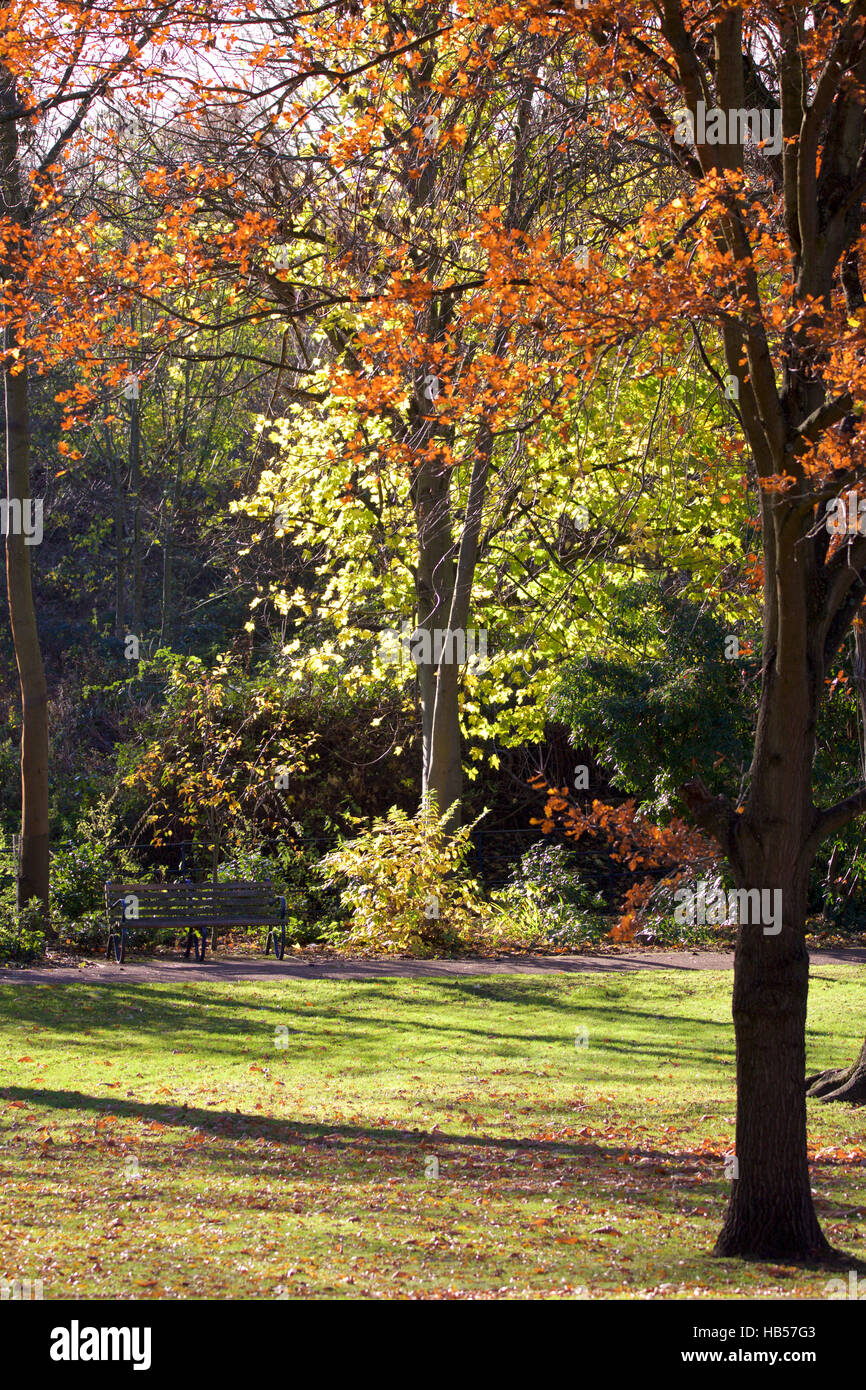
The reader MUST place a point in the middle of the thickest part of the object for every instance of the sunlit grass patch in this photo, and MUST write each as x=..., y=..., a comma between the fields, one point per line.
x=557, y=1136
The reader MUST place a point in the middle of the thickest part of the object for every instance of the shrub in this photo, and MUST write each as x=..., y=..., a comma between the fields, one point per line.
x=657, y=702
x=22, y=937
x=658, y=913
x=546, y=904
x=310, y=909
x=406, y=887
x=79, y=871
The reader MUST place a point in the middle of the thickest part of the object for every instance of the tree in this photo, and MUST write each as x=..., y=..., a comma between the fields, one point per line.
x=432, y=157
x=460, y=322
x=58, y=63
x=32, y=876
x=218, y=757
x=763, y=250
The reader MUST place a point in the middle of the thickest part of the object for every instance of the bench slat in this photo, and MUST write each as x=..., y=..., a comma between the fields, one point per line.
x=166, y=923
x=183, y=890
x=197, y=898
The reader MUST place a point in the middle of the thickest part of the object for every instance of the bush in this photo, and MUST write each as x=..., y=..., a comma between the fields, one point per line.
x=310, y=909
x=22, y=934
x=406, y=887
x=546, y=904
x=22, y=937
x=86, y=933
x=78, y=874
x=658, y=913
x=657, y=702
x=837, y=887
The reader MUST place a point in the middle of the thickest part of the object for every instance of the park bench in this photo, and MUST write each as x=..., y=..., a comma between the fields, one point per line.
x=200, y=907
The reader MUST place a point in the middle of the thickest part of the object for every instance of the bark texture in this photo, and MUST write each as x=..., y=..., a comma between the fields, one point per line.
x=812, y=586
x=32, y=879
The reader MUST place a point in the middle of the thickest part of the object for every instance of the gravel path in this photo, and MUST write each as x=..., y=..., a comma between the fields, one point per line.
x=172, y=970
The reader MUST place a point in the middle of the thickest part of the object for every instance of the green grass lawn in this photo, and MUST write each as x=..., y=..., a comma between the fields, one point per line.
x=158, y=1141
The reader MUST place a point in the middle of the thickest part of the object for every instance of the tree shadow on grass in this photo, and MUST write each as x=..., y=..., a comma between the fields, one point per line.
x=138, y=1008
x=610, y=1166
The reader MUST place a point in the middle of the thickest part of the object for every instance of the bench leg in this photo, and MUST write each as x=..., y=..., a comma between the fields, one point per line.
x=279, y=945
x=198, y=946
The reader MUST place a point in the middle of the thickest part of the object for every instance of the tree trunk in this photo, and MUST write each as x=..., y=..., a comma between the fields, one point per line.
x=442, y=770
x=770, y=845
x=119, y=552
x=33, y=856
x=444, y=773
x=445, y=767
x=135, y=489
x=442, y=766
x=32, y=879
x=167, y=557
x=771, y=1214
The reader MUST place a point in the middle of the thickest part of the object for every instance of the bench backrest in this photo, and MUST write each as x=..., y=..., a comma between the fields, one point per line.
x=184, y=902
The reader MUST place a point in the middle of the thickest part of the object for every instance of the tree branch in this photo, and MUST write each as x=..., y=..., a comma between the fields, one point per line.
x=713, y=814
x=834, y=817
